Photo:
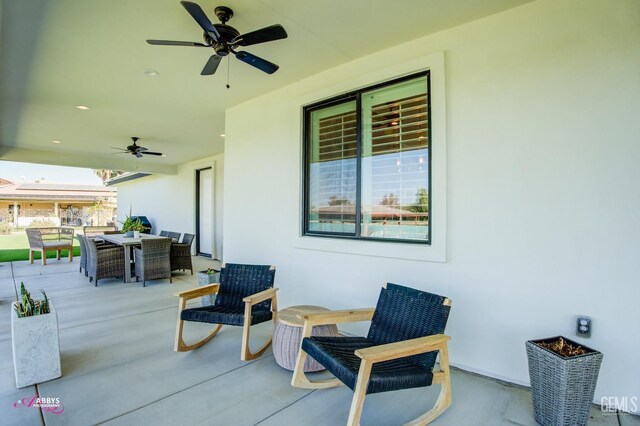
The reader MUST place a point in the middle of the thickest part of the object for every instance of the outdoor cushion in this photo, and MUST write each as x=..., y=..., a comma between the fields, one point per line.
x=52, y=244
x=224, y=315
x=337, y=355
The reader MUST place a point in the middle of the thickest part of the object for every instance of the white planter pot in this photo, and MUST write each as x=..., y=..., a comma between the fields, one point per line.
x=136, y=234
x=206, y=279
x=36, y=347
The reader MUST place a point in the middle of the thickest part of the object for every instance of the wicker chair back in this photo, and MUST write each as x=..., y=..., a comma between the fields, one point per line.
x=238, y=281
x=404, y=313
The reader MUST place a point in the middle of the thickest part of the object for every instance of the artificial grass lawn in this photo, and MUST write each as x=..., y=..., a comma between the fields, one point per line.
x=16, y=247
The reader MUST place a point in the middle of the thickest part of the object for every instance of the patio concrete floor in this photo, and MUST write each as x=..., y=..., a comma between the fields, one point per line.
x=119, y=367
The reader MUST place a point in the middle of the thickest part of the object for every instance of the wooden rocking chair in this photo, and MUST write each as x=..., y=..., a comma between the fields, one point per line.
x=245, y=296
x=399, y=352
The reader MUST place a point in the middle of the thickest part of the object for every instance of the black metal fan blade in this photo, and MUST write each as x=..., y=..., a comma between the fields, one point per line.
x=152, y=153
x=273, y=32
x=212, y=65
x=121, y=149
x=255, y=61
x=198, y=14
x=176, y=43
x=137, y=154
x=140, y=149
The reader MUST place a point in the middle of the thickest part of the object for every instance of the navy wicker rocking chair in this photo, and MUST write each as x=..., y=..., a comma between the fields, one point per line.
x=244, y=297
x=405, y=336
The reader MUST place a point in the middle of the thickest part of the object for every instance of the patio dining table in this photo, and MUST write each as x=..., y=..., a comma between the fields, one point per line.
x=127, y=243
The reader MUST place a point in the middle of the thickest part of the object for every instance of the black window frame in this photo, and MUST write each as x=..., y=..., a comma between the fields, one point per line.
x=356, y=95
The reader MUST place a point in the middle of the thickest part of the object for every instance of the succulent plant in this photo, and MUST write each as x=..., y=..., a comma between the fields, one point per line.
x=27, y=307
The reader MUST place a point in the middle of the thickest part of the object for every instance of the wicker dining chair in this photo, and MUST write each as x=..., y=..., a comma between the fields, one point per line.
x=175, y=236
x=405, y=337
x=245, y=296
x=152, y=260
x=84, y=252
x=103, y=262
x=181, y=254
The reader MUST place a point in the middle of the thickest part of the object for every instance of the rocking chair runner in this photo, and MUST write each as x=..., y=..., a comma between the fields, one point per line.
x=245, y=296
x=399, y=352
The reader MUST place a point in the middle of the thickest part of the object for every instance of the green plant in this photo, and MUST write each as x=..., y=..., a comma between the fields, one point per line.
x=131, y=225
x=211, y=271
x=27, y=307
x=5, y=228
x=42, y=223
x=137, y=226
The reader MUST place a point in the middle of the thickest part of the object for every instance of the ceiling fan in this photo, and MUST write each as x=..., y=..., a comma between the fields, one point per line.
x=137, y=150
x=225, y=39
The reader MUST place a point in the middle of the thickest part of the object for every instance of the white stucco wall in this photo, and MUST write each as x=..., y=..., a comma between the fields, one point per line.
x=168, y=201
x=542, y=106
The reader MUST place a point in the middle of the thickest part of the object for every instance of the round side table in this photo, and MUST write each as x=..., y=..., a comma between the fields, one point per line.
x=287, y=336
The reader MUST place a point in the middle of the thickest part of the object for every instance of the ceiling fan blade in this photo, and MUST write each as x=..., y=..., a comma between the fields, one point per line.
x=212, y=65
x=176, y=43
x=137, y=154
x=198, y=14
x=255, y=61
x=273, y=32
x=121, y=149
x=141, y=148
x=123, y=152
x=152, y=153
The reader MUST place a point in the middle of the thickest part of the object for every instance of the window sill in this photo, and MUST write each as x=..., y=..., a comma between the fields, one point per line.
x=393, y=250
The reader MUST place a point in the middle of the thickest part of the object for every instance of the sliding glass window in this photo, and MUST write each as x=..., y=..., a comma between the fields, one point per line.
x=367, y=164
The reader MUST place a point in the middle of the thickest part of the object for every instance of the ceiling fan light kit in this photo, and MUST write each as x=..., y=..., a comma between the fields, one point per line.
x=224, y=39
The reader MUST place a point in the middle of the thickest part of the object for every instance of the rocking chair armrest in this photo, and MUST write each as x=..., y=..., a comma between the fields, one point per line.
x=269, y=293
x=197, y=292
x=336, y=317
x=404, y=348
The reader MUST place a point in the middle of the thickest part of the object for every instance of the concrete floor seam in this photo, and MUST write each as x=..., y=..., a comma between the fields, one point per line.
x=183, y=390
x=285, y=407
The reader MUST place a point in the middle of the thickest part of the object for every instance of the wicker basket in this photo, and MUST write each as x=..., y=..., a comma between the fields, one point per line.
x=562, y=388
x=206, y=279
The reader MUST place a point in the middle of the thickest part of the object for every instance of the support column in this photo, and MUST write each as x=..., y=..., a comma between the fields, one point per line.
x=56, y=211
x=15, y=214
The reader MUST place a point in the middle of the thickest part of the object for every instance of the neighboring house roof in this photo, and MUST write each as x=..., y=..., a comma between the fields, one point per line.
x=54, y=191
x=375, y=211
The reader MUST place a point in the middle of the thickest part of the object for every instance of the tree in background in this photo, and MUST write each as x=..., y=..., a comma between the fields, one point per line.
x=421, y=205
x=103, y=208
x=335, y=201
x=389, y=200
x=106, y=174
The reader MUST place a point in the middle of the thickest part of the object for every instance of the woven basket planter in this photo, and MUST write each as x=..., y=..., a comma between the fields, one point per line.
x=206, y=279
x=562, y=388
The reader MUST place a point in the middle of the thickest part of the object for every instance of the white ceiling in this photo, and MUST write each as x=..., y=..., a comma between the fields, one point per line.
x=56, y=54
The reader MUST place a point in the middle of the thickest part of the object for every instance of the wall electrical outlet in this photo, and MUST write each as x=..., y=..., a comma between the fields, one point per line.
x=583, y=327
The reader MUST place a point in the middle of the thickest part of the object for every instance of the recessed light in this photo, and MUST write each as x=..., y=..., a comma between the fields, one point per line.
x=222, y=134
x=151, y=73
x=82, y=107
x=56, y=142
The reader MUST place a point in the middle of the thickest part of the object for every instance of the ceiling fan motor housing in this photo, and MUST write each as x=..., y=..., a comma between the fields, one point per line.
x=227, y=33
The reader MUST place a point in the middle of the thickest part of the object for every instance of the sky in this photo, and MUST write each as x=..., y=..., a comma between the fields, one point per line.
x=28, y=172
